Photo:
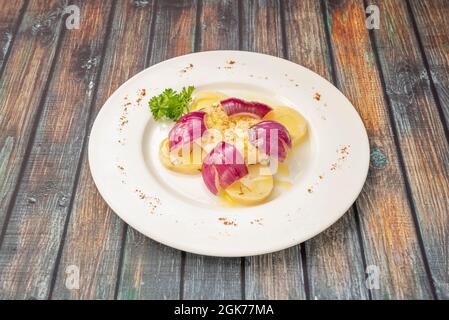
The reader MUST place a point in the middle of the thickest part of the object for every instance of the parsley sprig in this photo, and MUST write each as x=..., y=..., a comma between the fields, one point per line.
x=171, y=104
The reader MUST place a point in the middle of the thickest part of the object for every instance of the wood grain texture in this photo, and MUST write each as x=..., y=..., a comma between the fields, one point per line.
x=10, y=18
x=431, y=24
x=151, y=270
x=261, y=29
x=95, y=234
x=335, y=266
x=388, y=229
x=278, y=275
x=430, y=18
x=210, y=277
x=218, y=25
x=27, y=69
x=35, y=229
x=417, y=120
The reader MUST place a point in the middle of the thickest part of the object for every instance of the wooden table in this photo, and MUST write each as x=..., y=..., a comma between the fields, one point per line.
x=55, y=226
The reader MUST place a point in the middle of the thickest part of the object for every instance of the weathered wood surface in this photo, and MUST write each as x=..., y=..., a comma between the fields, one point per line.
x=36, y=40
x=417, y=121
x=53, y=82
x=334, y=261
x=430, y=22
x=49, y=174
x=10, y=18
x=90, y=214
x=210, y=277
x=388, y=228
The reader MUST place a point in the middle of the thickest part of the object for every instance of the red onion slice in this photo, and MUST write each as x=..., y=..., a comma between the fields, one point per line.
x=270, y=137
x=189, y=128
x=222, y=167
x=233, y=106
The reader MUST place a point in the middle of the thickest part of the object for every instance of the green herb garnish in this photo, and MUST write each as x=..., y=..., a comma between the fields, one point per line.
x=171, y=104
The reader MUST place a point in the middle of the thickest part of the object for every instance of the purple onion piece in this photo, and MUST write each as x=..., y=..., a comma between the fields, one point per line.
x=270, y=137
x=189, y=128
x=233, y=106
x=222, y=167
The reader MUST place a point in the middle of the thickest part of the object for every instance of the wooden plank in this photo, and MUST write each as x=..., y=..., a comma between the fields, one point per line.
x=210, y=277
x=430, y=18
x=335, y=266
x=36, y=41
x=32, y=238
x=261, y=27
x=95, y=234
x=151, y=270
x=10, y=17
x=278, y=275
x=218, y=25
x=417, y=120
x=388, y=229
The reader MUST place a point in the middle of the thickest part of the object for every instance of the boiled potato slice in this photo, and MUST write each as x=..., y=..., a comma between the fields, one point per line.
x=176, y=161
x=205, y=99
x=292, y=120
x=253, y=188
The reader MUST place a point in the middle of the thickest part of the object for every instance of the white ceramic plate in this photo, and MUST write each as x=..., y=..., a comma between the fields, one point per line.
x=327, y=171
